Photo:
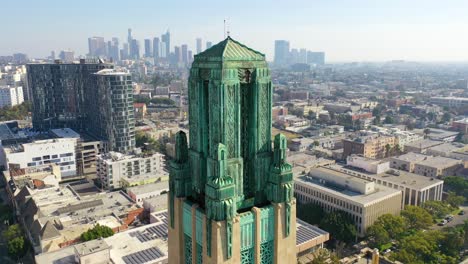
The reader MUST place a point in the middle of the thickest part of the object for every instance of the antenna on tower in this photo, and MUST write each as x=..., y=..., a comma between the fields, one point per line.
x=224, y=28
x=228, y=31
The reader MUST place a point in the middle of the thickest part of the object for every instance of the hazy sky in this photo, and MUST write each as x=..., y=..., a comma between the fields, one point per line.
x=347, y=30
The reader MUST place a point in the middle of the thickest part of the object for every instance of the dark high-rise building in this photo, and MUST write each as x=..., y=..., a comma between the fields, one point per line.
x=87, y=96
x=111, y=101
x=184, y=54
x=281, y=52
x=156, y=48
x=316, y=58
x=134, y=50
x=166, y=38
x=97, y=46
x=199, y=45
x=209, y=44
x=148, y=48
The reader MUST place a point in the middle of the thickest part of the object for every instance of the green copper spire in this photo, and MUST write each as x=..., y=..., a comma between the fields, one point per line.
x=229, y=165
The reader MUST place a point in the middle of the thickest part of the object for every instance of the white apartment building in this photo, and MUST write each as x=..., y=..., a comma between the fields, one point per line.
x=11, y=96
x=450, y=101
x=363, y=200
x=60, y=151
x=113, y=166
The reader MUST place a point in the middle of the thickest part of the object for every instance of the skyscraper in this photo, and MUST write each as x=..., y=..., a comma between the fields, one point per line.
x=97, y=46
x=302, y=56
x=166, y=38
x=281, y=52
x=156, y=48
x=72, y=95
x=316, y=57
x=177, y=56
x=148, y=48
x=231, y=194
x=134, y=50
x=199, y=45
x=209, y=44
x=110, y=103
x=185, y=54
x=129, y=36
x=114, y=49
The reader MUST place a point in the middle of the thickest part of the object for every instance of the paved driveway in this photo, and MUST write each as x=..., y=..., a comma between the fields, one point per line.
x=457, y=219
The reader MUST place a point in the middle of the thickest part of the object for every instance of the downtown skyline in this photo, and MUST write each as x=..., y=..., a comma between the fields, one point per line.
x=358, y=31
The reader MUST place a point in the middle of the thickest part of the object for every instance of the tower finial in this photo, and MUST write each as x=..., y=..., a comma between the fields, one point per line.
x=224, y=28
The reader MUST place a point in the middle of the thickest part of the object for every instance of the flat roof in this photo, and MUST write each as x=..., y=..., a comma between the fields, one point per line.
x=380, y=192
x=424, y=143
x=438, y=162
x=148, y=243
x=448, y=147
x=394, y=176
x=65, y=133
x=411, y=157
x=148, y=188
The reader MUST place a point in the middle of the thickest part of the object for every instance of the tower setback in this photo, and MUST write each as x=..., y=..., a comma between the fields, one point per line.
x=231, y=193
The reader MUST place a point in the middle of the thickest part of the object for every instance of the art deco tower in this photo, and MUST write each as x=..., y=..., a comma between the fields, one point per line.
x=231, y=194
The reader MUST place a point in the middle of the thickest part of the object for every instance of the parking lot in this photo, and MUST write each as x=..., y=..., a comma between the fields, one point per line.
x=457, y=219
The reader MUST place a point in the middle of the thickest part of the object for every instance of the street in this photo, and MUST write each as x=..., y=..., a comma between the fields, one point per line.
x=457, y=219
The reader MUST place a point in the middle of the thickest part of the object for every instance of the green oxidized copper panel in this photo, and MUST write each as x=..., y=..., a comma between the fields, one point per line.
x=267, y=224
x=199, y=226
x=267, y=252
x=199, y=254
x=247, y=256
x=247, y=226
x=187, y=219
x=188, y=249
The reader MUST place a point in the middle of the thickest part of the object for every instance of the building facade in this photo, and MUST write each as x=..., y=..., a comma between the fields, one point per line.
x=363, y=200
x=113, y=166
x=368, y=146
x=231, y=197
x=11, y=96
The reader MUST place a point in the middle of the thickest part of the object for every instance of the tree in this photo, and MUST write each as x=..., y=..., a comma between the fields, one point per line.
x=389, y=120
x=437, y=209
x=446, y=117
x=311, y=213
x=12, y=232
x=388, y=148
x=453, y=241
x=422, y=248
x=16, y=247
x=455, y=200
x=340, y=226
x=324, y=256
x=316, y=143
x=456, y=184
x=386, y=228
x=427, y=131
x=96, y=232
x=416, y=217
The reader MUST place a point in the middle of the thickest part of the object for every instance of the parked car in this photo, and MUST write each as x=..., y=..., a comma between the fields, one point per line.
x=461, y=213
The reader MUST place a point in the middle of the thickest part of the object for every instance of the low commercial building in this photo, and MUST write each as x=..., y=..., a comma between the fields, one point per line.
x=148, y=244
x=421, y=146
x=363, y=200
x=461, y=125
x=60, y=151
x=140, y=193
x=112, y=167
x=370, y=146
x=406, y=161
x=437, y=167
x=441, y=135
x=446, y=149
x=450, y=101
x=416, y=189
x=54, y=218
x=367, y=164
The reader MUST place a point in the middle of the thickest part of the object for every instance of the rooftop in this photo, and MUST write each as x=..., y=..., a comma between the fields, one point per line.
x=148, y=188
x=399, y=177
x=380, y=192
x=449, y=147
x=411, y=157
x=424, y=143
x=438, y=162
x=65, y=133
x=231, y=50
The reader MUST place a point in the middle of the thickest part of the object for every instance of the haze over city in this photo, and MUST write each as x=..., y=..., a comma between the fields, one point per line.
x=362, y=30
